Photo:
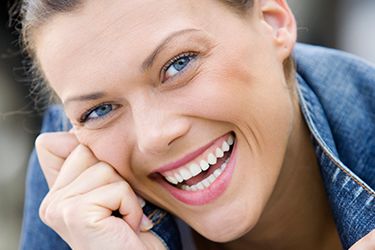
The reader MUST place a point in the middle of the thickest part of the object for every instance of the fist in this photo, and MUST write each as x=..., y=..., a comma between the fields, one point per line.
x=89, y=204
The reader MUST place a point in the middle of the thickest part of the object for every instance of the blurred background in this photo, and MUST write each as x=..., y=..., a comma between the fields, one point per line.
x=342, y=24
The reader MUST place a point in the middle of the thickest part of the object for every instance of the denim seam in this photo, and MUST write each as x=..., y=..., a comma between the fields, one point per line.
x=369, y=191
x=325, y=148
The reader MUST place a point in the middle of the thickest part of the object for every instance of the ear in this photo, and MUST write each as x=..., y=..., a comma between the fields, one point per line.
x=280, y=19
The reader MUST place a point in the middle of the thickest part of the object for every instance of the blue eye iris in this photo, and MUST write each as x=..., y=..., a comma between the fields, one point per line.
x=177, y=65
x=100, y=111
x=181, y=63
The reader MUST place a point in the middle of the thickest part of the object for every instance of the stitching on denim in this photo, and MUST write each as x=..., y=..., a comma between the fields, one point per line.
x=369, y=200
x=328, y=154
x=346, y=180
x=334, y=177
x=358, y=192
x=324, y=147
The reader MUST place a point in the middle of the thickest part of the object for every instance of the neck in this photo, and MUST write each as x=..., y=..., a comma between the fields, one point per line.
x=297, y=215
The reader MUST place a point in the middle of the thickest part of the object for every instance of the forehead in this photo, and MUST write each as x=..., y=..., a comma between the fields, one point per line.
x=72, y=48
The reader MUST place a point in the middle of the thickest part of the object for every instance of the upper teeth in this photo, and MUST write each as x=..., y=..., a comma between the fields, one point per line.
x=192, y=169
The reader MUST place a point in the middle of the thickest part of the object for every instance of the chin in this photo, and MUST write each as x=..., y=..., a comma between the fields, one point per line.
x=227, y=226
x=226, y=233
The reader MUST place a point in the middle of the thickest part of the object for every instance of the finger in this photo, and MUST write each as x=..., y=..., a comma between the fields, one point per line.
x=146, y=223
x=141, y=201
x=366, y=243
x=97, y=175
x=77, y=162
x=52, y=150
x=117, y=196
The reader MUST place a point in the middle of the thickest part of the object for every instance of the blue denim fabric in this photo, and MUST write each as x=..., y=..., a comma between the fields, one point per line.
x=337, y=98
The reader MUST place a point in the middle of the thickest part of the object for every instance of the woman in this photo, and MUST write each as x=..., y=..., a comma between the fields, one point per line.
x=195, y=106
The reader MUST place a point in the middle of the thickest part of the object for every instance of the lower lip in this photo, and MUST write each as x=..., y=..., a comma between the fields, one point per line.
x=209, y=194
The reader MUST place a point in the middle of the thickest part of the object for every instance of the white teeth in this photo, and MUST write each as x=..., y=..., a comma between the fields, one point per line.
x=225, y=147
x=204, y=165
x=211, y=159
x=185, y=187
x=211, y=178
x=217, y=172
x=205, y=183
x=230, y=140
x=178, y=177
x=171, y=179
x=186, y=175
x=199, y=186
x=219, y=153
x=223, y=166
x=194, y=169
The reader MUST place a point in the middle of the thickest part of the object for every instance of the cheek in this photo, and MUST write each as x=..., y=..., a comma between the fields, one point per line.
x=108, y=145
x=233, y=87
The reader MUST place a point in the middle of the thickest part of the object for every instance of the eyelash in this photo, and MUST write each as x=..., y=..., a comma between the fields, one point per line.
x=85, y=116
x=174, y=60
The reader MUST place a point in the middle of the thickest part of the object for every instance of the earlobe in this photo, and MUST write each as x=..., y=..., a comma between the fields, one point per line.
x=278, y=16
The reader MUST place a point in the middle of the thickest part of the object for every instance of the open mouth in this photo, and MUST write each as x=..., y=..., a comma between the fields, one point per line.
x=203, y=171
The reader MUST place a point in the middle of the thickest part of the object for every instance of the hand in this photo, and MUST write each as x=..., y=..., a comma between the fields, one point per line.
x=84, y=193
x=366, y=243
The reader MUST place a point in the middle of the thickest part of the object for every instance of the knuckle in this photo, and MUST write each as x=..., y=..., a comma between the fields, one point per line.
x=42, y=212
x=49, y=213
x=124, y=187
x=105, y=170
x=41, y=140
x=70, y=214
x=83, y=150
x=44, y=207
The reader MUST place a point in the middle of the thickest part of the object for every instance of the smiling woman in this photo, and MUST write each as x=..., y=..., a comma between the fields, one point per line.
x=196, y=108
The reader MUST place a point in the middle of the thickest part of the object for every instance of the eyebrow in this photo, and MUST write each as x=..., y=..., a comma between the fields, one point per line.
x=82, y=98
x=148, y=62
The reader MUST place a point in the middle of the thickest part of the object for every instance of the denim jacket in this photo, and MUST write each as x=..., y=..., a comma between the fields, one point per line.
x=337, y=98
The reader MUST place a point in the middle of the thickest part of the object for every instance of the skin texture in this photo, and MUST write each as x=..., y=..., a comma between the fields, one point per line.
x=235, y=83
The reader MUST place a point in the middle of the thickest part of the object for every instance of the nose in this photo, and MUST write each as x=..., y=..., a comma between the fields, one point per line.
x=157, y=128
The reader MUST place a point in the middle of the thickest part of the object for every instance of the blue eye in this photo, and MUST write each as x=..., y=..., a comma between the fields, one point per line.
x=177, y=64
x=97, y=112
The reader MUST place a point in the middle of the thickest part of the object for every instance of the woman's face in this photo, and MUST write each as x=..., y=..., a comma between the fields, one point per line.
x=157, y=88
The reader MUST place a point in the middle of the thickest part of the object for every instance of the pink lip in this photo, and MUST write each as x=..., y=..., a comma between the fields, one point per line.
x=209, y=194
x=186, y=159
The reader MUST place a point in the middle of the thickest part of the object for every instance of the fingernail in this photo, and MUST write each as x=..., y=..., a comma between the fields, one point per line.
x=141, y=201
x=146, y=224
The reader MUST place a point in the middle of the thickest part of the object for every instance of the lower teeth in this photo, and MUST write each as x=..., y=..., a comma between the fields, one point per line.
x=207, y=181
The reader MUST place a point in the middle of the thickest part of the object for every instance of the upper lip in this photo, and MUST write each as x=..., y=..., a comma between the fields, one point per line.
x=186, y=159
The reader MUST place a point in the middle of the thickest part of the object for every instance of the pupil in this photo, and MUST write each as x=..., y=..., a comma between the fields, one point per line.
x=104, y=110
x=181, y=63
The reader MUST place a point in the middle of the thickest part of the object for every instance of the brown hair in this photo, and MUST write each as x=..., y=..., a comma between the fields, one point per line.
x=35, y=13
